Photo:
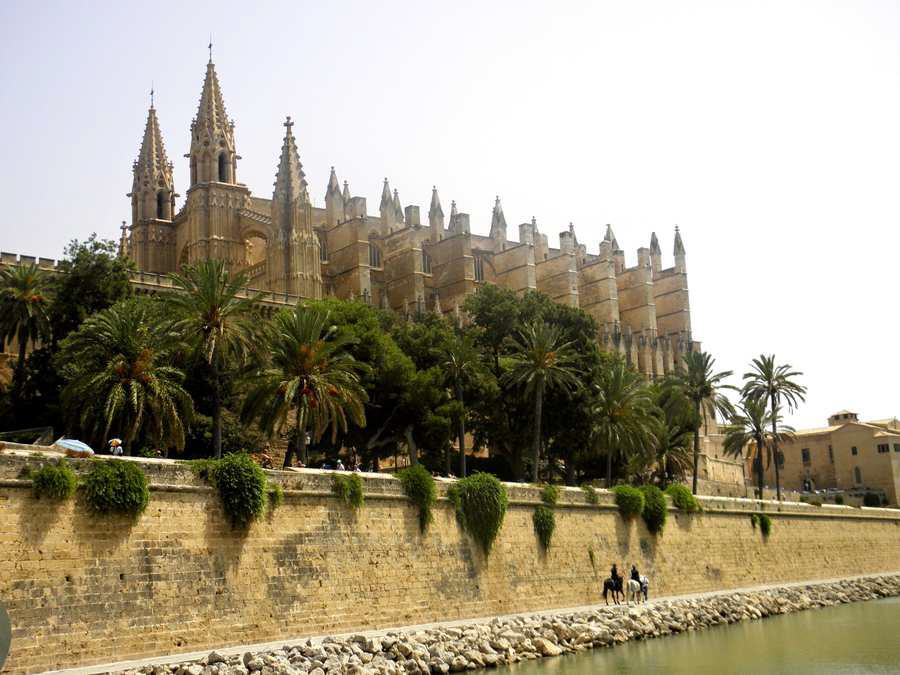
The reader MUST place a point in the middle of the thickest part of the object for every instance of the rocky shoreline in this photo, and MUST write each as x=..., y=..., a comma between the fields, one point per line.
x=506, y=640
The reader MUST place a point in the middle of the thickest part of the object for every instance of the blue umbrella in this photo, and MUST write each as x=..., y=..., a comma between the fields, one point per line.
x=75, y=446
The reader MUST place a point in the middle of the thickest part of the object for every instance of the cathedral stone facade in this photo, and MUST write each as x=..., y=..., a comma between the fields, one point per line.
x=394, y=259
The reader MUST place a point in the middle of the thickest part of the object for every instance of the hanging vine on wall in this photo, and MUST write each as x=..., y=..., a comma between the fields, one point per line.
x=418, y=485
x=480, y=501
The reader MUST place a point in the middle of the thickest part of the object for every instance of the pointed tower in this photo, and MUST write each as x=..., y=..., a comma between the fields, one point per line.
x=436, y=216
x=655, y=255
x=211, y=225
x=451, y=226
x=152, y=245
x=386, y=208
x=398, y=209
x=345, y=195
x=293, y=254
x=680, y=263
x=498, y=227
x=334, y=201
x=618, y=255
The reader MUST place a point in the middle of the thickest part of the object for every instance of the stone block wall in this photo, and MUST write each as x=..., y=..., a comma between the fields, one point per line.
x=85, y=589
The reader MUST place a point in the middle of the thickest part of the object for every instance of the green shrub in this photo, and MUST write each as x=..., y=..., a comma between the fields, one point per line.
x=765, y=524
x=550, y=495
x=630, y=500
x=276, y=495
x=54, y=481
x=754, y=520
x=348, y=488
x=418, y=485
x=871, y=499
x=480, y=501
x=682, y=497
x=242, y=487
x=590, y=494
x=544, y=523
x=116, y=486
x=839, y=499
x=655, y=508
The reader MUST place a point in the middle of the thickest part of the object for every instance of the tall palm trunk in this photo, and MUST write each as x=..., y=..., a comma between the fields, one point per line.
x=19, y=373
x=608, y=468
x=536, y=447
x=775, y=447
x=217, y=410
x=758, y=465
x=696, y=448
x=461, y=431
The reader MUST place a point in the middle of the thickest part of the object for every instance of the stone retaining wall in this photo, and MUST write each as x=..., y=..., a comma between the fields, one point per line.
x=83, y=589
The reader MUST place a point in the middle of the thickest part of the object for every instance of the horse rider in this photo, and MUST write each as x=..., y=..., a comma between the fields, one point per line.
x=614, y=575
x=635, y=574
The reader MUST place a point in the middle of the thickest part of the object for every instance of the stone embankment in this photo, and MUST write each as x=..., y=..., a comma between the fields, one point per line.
x=505, y=640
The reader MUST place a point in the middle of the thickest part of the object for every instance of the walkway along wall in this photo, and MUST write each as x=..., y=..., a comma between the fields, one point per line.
x=84, y=589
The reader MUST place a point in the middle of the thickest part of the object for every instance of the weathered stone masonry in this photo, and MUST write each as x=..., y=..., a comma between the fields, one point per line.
x=84, y=589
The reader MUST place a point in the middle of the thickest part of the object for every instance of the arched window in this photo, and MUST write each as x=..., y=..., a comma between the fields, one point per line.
x=479, y=268
x=857, y=475
x=323, y=252
x=193, y=170
x=374, y=255
x=223, y=168
x=426, y=262
x=161, y=205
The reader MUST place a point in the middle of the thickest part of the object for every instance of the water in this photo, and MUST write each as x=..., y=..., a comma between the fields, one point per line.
x=862, y=637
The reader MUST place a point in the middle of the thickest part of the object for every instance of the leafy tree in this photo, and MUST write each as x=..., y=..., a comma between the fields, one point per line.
x=214, y=321
x=540, y=360
x=675, y=422
x=622, y=413
x=306, y=374
x=24, y=303
x=696, y=380
x=751, y=425
x=776, y=385
x=94, y=278
x=118, y=376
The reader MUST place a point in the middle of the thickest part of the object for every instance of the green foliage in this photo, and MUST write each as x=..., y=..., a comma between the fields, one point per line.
x=871, y=499
x=839, y=499
x=630, y=500
x=655, y=508
x=349, y=488
x=590, y=494
x=236, y=437
x=480, y=501
x=418, y=484
x=276, y=495
x=54, y=481
x=116, y=486
x=682, y=497
x=242, y=487
x=754, y=519
x=544, y=524
x=550, y=494
x=765, y=524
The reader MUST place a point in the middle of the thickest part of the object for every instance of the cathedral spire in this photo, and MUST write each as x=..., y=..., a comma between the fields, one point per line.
x=435, y=210
x=498, y=226
x=290, y=182
x=611, y=238
x=654, y=245
x=398, y=207
x=386, y=201
x=346, y=193
x=212, y=153
x=679, y=245
x=152, y=155
x=333, y=186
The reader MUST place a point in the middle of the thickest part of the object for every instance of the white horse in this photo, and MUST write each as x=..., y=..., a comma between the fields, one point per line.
x=636, y=590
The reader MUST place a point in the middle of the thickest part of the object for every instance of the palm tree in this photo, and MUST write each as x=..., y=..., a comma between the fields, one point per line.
x=622, y=413
x=213, y=319
x=119, y=376
x=308, y=373
x=462, y=359
x=773, y=385
x=703, y=388
x=748, y=426
x=541, y=360
x=23, y=308
x=673, y=432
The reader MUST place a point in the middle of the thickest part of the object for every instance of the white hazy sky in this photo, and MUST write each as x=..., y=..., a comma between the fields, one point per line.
x=767, y=130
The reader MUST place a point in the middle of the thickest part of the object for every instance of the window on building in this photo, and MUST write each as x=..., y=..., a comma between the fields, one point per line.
x=884, y=447
x=896, y=447
x=857, y=475
x=479, y=268
x=161, y=205
x=831, y=454
x=804, y=454
x=374, y=255
x=854, y=451
x=223, y=168
x=323, y=251
x=426, y=262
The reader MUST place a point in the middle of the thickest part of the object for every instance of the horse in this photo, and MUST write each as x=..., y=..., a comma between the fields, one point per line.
x=638, y=589
x=615, y=586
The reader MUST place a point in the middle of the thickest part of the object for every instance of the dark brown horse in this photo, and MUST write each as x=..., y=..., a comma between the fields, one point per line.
x=614, y=585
